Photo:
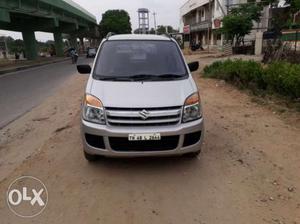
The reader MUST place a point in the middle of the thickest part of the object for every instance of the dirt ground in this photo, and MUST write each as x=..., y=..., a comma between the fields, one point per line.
x=248, y=172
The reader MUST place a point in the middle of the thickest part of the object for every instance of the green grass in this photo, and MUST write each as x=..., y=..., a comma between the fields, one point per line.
x=280, y=78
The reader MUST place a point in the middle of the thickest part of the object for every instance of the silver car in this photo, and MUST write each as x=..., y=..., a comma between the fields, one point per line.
x=140, y=100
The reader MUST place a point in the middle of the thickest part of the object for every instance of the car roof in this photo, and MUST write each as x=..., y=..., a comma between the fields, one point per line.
x=138, y=37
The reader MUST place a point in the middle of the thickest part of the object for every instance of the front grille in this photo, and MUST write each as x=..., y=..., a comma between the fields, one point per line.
x=124, y=145
x=143, y=116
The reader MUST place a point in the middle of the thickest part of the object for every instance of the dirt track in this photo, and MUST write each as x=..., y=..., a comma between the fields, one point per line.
x=250, y=163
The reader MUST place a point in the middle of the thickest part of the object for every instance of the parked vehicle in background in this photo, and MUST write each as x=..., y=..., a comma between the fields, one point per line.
x=141, y=100
x=91, y=52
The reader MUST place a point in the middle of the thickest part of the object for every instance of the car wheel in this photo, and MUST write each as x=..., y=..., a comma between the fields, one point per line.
x=90, y=157
x=193, y=154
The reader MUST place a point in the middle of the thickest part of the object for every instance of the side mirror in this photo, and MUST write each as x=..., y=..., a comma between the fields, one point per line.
x=84, y=69
x=193, y=66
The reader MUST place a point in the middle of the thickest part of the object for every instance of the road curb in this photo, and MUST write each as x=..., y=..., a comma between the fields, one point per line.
x=25, y=67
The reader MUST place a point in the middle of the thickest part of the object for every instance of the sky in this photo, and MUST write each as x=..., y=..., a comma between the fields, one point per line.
x=167, y=12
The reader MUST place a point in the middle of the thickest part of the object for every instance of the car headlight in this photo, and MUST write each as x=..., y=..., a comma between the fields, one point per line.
x=192, y=108
x=93, y=110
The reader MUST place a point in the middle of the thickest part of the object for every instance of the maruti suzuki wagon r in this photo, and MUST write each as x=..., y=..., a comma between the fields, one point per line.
x=140, y=100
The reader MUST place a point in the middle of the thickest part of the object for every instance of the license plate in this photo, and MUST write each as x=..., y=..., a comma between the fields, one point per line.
x=144, y=137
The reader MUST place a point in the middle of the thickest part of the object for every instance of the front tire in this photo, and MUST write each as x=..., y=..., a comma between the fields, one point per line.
x=90, y=157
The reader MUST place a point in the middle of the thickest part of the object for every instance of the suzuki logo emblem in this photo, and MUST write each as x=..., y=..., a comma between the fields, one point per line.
x=144, y=114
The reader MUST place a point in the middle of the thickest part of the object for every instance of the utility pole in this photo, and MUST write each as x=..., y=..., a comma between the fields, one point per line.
x=209, y=25
x=154, y=15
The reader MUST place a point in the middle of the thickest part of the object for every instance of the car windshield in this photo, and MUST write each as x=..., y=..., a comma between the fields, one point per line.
x=139, y=60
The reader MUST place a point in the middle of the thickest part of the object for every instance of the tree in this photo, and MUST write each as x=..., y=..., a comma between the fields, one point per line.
x=294, y=6
x=294, y=10
x=16, y=46
x=165, y=29
x=152, y=31
x=250, y=11
x=138, y=31
x=283, y=16
x=235, y=28
x=239, y=22
x=116, y=21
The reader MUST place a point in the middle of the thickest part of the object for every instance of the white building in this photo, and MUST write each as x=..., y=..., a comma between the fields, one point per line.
x=202, y=18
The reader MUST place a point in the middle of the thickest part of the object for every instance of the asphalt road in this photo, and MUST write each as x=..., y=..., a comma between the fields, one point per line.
x=23, y=90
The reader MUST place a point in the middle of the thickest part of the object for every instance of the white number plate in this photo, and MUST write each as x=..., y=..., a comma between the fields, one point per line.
x=144, y=137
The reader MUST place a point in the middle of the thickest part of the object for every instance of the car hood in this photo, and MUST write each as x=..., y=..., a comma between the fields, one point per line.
x=142, y=94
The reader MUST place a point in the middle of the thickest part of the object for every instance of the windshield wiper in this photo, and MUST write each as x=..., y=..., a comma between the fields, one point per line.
x=112, y=78
x=141, y=77
x=170, y=76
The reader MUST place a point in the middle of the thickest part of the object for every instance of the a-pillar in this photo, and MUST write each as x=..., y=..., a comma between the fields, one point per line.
x=59, y=44
x=30, y=44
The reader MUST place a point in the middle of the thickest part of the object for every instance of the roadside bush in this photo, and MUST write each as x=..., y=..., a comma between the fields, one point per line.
x=242, y=73
x=283, y=78
x=214, y=70
x=280, y=77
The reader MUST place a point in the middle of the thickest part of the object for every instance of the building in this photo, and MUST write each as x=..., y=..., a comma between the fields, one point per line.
x=200, y=19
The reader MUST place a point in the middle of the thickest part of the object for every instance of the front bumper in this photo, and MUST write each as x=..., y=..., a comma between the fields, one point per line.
x=111, y=131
